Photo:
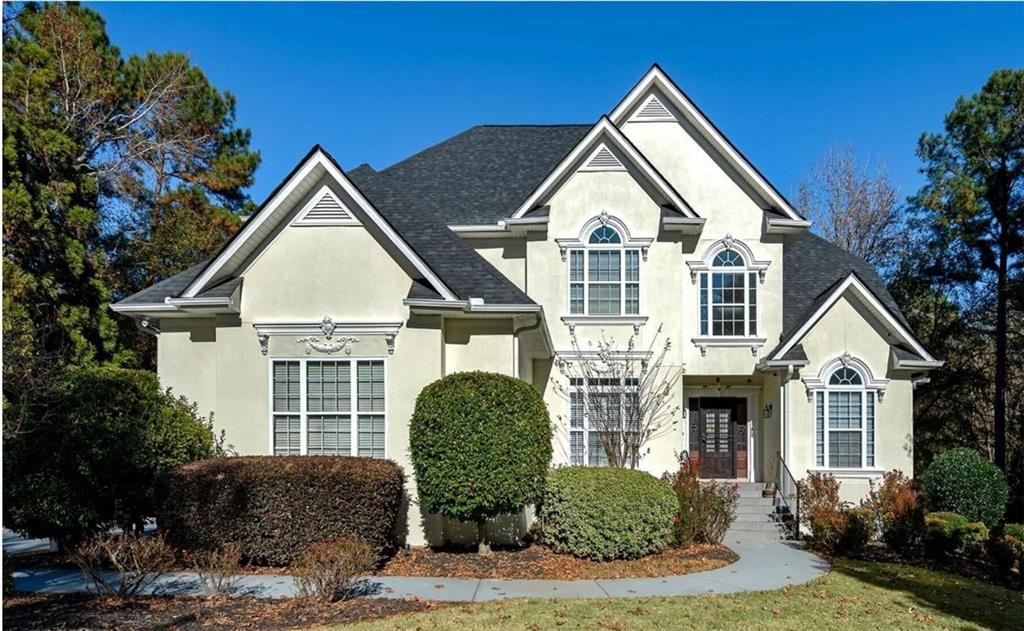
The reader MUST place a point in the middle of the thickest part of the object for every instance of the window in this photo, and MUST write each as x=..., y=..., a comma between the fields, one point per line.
x=319, y=409
x=845, y=422
x=604, y=278
x=728, y=297
x=599, y=413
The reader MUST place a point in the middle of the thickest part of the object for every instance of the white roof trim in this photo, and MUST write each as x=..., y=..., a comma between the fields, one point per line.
x=656, y=78
x=316, y=328
x=854, y=283
x=322, y=160
x=604, y=126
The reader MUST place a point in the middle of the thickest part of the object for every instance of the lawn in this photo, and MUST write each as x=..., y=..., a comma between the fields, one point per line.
x=855, y=595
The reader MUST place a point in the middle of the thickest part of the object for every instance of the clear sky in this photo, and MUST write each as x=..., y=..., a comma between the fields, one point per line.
x=376, y=83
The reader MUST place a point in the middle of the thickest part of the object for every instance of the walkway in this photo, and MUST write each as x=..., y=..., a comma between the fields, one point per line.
x=763, y=565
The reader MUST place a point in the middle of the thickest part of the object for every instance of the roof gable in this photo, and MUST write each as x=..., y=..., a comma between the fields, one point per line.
x=637, y=106
x=603, y=133
x=261, y=227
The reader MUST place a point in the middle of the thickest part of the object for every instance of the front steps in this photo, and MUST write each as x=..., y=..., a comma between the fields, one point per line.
x=759, y=518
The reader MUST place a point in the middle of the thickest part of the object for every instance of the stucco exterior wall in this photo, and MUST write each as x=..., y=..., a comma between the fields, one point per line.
x=847, y=328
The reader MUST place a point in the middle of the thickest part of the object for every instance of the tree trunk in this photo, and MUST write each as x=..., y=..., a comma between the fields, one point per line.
x=483, y=539
x=999, y=401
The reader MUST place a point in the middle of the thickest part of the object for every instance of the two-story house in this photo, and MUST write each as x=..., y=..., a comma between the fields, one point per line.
x=313, y=330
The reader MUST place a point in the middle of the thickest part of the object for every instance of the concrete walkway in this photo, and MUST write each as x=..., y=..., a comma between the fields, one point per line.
x=763, y=565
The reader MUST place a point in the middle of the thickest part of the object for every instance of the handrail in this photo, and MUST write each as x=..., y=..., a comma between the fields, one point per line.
x=787, y=488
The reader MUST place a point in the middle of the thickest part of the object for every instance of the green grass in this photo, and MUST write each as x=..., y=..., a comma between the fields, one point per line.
x=855, y=595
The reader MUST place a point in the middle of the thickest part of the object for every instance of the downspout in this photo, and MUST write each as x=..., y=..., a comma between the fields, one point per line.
x=515, y=341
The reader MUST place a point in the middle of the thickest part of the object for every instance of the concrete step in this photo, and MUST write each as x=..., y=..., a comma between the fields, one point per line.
x=750, y=489
x=738, y=535
x=758, y=526
x=764, y=502
x=757, y=518
x=761, y=509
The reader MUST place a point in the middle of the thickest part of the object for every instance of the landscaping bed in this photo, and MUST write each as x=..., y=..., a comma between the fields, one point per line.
x=76, y=611
x=539, y=562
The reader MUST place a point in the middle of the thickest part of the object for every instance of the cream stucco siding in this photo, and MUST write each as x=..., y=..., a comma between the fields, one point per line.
x=847, y=328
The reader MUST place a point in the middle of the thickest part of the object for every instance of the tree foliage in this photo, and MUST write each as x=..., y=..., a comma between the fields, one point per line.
x=90, y=457
x=117, y=172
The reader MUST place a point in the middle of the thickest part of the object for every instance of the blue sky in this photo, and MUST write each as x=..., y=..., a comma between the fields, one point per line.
x=376, y=83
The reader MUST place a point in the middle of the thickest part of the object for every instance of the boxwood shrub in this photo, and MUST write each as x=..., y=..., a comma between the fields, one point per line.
x=604, y=514
x=943, y=532
x=275, y=507
x=962, y=481
x=480, y=445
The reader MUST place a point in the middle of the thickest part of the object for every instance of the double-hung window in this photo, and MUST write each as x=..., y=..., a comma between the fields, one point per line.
x=845, y=422
x=604, y=277
x=328, y=407
x=728, y=297
x=602, y=416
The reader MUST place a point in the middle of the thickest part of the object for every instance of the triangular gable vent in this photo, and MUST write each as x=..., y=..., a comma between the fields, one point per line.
x=602, y=160
x=653, y=110
x=324, y=209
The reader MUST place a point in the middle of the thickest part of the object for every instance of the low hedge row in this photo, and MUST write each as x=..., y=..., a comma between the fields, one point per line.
x=274, y=507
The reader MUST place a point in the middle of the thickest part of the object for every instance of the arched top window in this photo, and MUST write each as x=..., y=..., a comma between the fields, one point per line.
x=845, y=376
x=604, y=268
x=846, y=397
x=605, y=235
x=728, y=258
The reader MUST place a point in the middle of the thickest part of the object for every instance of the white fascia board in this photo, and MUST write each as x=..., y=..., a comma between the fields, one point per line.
x=685, y=225
x=319, y=159
x=778, y=225
x=604, y=126
x=655, y=77
x=469, y=306
x=852, y=282
x=915, y=364
x=143, y=307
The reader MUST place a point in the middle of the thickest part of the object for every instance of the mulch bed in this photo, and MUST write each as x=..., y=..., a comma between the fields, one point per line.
x=78, y=611
x=536, y=561
x=955, y=564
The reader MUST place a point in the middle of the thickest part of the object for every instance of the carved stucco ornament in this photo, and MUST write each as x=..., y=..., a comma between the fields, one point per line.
x=329, y=344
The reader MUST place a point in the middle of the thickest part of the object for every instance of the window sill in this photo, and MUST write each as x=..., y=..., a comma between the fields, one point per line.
x=586, y=320
x=705, y=341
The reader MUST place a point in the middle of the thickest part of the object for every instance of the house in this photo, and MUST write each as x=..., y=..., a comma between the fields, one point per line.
x=315, y=327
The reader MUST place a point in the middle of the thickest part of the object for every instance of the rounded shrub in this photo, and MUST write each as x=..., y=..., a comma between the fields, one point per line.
x=274, y=507
x=480, y=445
x=88, y=457
x=962, y=481
x=604, y=514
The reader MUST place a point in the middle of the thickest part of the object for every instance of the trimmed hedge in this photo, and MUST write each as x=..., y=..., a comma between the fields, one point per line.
x=275, y=507
x=604, y=514
x=962, y=481
x=480, y=445
x=943, y=533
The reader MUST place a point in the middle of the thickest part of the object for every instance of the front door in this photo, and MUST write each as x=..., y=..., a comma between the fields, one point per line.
x=717, y=443
x=718, y=436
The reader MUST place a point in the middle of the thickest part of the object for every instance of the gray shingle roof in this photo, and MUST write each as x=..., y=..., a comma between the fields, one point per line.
x=482, y=174
x=458, y=265
x=812, y=267
x=168, y=288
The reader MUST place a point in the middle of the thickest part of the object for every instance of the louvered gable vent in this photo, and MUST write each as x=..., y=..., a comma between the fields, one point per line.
x=653, y=110
x=603, y=160
x=325, y=210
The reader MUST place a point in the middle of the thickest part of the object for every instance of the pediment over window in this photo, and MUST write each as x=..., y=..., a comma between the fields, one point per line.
x=605, y=228
x=846, y=371
x=728, y=252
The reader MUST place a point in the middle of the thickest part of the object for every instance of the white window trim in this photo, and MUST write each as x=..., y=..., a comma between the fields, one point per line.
x=868, y=385
x=303, y=412
x=704, y=268
x=582, y=244
x=621, y=389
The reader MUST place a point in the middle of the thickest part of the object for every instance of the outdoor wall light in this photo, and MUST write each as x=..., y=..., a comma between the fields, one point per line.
x=767, y=411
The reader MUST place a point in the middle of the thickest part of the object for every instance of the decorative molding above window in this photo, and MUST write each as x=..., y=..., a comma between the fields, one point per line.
x=327, y=336
x=325, y=209
x=703, y=342
x=845, y=361
x=727, y=243
x=604, y=219
x=653, y=110
x=602, y=159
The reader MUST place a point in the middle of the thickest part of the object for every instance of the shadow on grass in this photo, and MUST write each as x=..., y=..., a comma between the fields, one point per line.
x=971, y=600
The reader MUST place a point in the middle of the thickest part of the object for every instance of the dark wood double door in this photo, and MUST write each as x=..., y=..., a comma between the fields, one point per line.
x=718, y=436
